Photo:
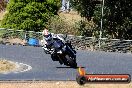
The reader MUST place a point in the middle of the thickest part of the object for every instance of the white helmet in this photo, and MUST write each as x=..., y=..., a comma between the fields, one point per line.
x=47, y=35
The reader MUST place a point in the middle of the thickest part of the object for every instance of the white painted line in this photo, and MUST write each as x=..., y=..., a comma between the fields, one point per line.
x=19, y=66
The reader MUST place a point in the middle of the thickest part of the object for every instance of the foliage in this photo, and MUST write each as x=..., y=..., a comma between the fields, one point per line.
x=117, y=18
x=58, y=25
x=86, y=28
x=84, y=7
x=29, y=14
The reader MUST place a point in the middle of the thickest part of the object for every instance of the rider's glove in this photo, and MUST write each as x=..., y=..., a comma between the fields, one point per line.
x=46, y=50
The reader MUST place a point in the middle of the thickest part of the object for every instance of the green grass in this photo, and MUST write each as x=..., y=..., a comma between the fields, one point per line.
x=2, y=32
x=0, y=23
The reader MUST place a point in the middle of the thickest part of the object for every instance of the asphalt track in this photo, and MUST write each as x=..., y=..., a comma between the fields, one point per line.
x=43, y=68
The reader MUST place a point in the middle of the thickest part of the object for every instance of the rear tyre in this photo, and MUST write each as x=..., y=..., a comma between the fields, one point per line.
x=72, y=63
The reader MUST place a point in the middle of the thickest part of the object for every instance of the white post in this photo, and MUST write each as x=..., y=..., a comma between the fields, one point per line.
x=101, y=24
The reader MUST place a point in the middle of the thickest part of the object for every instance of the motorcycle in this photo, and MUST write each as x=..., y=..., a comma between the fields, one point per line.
x=64, y=53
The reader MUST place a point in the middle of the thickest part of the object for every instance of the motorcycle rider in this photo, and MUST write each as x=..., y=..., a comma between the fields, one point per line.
x=48, y=40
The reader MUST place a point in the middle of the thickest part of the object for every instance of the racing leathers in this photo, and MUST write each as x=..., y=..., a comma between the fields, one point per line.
x=47, y=46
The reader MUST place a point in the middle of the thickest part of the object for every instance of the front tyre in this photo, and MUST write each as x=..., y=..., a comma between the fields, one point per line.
x=72, y=63
x=54, y=57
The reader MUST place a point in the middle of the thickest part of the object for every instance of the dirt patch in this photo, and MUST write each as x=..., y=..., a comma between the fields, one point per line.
x=61, y=84
x=16, y=41
x=70, y=17
x=2, y=13
x=6, y=66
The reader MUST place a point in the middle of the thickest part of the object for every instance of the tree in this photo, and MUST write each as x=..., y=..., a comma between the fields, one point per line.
x=117, y=18
x=29, y=14
x=84, y=7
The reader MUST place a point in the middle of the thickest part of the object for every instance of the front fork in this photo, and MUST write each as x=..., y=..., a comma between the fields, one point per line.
x=71, y=52
x=62, y=58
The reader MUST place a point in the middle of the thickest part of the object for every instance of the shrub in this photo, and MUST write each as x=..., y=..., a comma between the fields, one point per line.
x=29, y=14
x=86, y=28
x=58, y=25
